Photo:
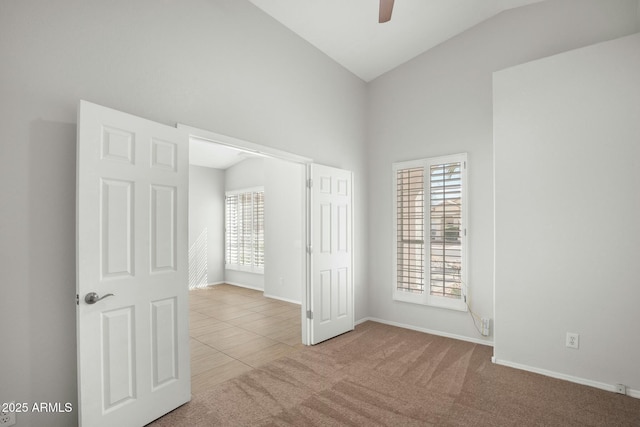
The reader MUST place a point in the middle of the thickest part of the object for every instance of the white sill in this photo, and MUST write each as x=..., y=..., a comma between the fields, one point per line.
x=244, y=268
x=426, y=300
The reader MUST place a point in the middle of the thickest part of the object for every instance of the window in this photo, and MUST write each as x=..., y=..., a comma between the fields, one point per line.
x=429, y=219
x=244, y=230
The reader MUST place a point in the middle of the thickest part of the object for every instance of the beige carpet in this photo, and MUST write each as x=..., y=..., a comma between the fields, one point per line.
x=380, y=375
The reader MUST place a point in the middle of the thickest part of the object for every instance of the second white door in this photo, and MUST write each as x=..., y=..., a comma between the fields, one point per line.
x=330, y=293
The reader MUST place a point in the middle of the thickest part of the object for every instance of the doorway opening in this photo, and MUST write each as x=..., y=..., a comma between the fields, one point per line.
x=244, y=314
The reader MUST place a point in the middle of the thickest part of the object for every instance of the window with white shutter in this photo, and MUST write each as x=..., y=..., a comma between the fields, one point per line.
x=244, y=230
x=429, y=220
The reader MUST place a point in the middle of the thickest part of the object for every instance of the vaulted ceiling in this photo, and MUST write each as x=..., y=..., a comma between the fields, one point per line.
x=348, y=30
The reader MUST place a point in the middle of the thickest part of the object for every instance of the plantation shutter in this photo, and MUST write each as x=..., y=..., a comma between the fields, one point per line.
x=246, y=229
x=231, y=229
x=258, y=229
x=410, y=229
x=445, y=182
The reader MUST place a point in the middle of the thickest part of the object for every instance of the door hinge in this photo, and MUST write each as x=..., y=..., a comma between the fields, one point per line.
x=465, y=231
x=77, y=299
x=309, y=183
x=309, y=249
x=309, y=314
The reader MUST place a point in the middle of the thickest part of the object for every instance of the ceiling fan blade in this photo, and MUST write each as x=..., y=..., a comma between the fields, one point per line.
x=386, y=7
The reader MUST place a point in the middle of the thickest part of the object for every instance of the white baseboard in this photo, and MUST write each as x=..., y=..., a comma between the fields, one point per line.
x=362, y=321
x=206, y=285
x=565, y=377
x=258, y=289
x=240, y=285
x=283, y=299
x=427, y=331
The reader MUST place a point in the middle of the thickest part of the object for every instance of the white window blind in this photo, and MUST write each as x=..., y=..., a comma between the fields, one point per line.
x=430, y=248
x=231, y=229
x=244, y=230
x=258, y=229
x=410, y=234
x=445, y=204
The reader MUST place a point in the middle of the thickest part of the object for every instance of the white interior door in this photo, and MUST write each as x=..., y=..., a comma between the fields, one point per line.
x=133, y=346
x=330, y=296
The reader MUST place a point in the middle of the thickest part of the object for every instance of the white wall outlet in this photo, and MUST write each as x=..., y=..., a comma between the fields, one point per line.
x=573, y=340
x=485, y=326
x=621, y=388
x=7, y=418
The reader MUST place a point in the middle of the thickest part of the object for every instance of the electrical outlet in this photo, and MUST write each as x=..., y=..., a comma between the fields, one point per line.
x=7, y=418
x=485, y=326
x=573, y=340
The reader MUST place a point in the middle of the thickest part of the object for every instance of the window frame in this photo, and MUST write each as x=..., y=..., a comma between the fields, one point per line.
x=252, y=267
x=425, y=297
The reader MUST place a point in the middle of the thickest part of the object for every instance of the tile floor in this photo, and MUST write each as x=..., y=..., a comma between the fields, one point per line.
x=233, y=330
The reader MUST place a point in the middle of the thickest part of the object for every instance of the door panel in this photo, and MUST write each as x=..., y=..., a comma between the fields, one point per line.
x=331, y=258
x=132, y=186
x=163, y=228
x=343, y=292
x=118, y=364
x=116, y=222
x=164, y=342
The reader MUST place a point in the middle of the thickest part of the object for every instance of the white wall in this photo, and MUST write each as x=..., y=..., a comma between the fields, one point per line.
x=441, y=103
x=221, y=65
x=284, y=220
x=567, y=234
x=284, y=198
x=206, y=226
x=248, y=173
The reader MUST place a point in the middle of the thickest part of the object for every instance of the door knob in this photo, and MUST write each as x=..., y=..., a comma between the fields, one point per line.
x=92, y=297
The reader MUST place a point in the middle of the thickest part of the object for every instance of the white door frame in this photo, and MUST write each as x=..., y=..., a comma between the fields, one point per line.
x=208, y=136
